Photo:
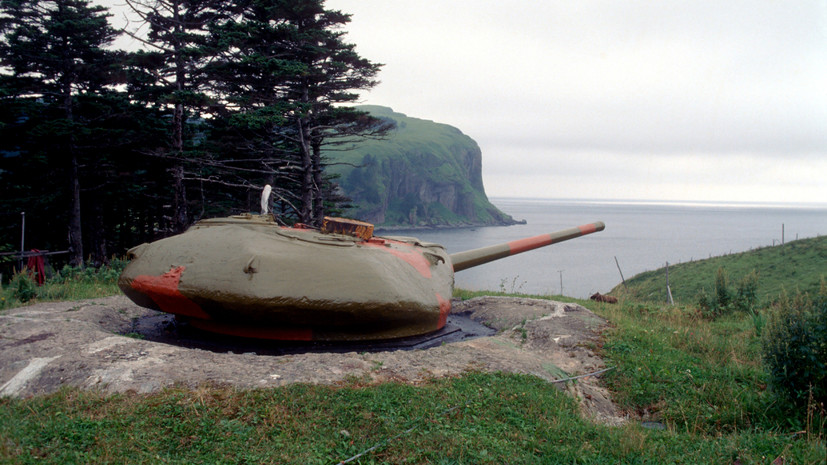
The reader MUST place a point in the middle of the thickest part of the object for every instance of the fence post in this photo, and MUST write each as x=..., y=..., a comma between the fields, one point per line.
x=621, y=272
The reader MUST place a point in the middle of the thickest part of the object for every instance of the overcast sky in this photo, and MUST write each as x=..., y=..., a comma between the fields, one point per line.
x=666, y=100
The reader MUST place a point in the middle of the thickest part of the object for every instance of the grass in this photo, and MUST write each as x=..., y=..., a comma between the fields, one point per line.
x=696, y=376
x=796, y=265
x=476, y=418
x=67, y=284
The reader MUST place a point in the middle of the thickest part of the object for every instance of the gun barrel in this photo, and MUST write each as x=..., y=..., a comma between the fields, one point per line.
x=471, y=258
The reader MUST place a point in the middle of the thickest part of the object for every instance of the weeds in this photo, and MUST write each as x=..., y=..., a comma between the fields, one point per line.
x=725, y=300
x=70, y=283
x=23, y=287
x=515, y=286
x=696, y=376
x=795, y=349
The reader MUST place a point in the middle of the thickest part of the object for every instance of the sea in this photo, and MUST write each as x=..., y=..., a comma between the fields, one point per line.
x=639, y=236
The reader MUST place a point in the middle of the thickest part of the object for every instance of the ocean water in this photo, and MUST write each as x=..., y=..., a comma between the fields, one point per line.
x=641, y=235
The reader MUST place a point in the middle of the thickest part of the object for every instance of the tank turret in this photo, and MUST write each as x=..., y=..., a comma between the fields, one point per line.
x=247, y=276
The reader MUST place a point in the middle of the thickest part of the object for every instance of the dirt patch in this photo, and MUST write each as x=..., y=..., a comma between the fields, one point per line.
x=114, y=345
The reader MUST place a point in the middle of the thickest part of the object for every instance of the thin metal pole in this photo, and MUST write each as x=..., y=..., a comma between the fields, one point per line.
x=22, y=237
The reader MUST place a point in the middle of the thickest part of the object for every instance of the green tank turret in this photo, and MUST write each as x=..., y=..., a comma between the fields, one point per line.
x=247, y=276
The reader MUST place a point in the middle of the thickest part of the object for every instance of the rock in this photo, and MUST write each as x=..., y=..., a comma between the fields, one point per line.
x=83, y=344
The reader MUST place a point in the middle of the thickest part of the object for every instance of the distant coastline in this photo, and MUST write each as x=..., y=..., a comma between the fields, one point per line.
x=439, y=227
x=672, y=203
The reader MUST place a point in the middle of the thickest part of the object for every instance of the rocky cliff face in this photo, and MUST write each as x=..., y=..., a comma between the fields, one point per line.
x=424, y=174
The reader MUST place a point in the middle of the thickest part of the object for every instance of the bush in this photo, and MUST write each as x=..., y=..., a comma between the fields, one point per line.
x=744, y=299
x=746, y=293
x=795, y=348
x=23, y=287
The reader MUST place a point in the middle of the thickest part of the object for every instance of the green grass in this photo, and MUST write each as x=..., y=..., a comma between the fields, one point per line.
x=476, y=418
x=797, y=265
x=67, y=284
x=694, y=375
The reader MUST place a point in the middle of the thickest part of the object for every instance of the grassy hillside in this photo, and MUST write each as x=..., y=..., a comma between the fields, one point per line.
x=422, y=174
x=797, y=265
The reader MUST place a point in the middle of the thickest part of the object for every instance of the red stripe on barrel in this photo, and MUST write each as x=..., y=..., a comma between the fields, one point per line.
x=523, y=245
x=587, y=228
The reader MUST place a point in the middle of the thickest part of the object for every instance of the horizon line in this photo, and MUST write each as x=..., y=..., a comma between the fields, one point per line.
x=688, y=203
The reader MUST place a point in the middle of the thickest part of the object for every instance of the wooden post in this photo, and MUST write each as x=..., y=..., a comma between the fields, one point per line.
x=782, y=233
x=668, y=289
x=621, y=272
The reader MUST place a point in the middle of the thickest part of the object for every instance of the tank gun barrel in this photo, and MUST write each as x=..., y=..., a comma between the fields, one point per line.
x=471, y=258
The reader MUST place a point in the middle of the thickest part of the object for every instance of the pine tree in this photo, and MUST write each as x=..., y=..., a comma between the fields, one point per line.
x=54, y=50
x=171, y=73
x=286, y=70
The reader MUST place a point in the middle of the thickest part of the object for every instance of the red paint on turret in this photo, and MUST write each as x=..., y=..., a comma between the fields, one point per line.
x=412, y=256
x=163, y=290
x=444, y=310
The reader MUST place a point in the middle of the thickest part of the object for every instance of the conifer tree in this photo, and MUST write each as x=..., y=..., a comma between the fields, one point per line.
x=54, y=53
x=172, y=71
x=287, y=70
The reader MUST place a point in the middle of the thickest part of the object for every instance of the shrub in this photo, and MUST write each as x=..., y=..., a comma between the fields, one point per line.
x=795, y=348
x=744, y=299
x=722, y=294
x=746, y=293
x=23, y=287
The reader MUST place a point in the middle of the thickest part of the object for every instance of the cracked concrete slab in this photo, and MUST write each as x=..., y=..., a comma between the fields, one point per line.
x=113, y=345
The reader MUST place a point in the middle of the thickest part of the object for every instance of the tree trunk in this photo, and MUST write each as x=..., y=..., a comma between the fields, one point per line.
x=75, y=231
x=99, y=252
x=180, y=219
x=306, y=213
x=318, y=204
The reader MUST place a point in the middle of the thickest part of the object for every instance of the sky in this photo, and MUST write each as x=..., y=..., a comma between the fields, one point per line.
x=607, y=99
x=665, y=100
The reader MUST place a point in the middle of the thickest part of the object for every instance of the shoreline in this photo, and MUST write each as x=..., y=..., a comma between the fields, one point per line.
x=440, y=227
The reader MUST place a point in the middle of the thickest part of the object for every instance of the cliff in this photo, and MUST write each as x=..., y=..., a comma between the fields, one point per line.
x=424, y=174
